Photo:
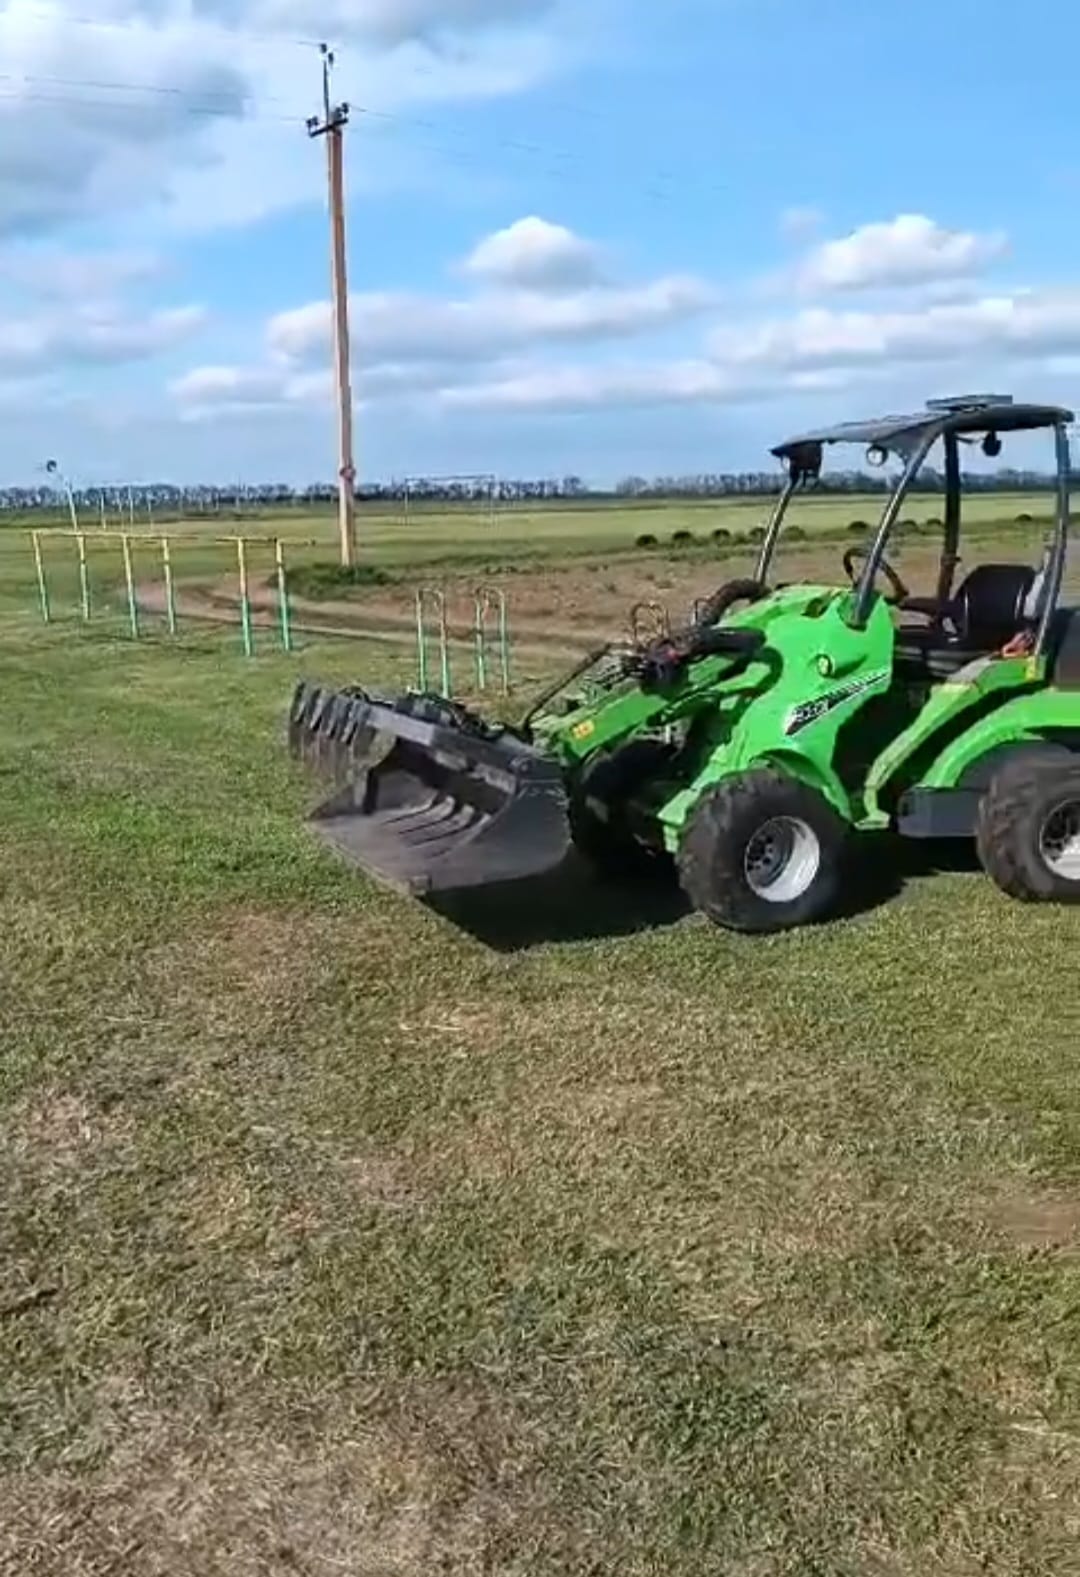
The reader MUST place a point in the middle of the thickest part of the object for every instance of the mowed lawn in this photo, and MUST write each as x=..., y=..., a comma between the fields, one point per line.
x=436, y=535
x=337, y=1239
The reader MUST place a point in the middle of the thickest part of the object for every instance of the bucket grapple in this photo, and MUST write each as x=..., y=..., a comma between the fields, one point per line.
x=426, y=796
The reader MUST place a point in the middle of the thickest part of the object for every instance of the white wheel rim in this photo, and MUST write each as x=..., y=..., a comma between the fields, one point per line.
x=1059, y=840
x=782, y=859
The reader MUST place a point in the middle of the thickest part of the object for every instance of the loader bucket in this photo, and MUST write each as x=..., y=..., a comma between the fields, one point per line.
x=427, y=797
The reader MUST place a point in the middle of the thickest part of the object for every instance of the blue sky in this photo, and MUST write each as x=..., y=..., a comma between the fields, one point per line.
x=587, y=236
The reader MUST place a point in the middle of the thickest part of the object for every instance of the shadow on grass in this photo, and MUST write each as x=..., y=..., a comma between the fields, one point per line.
x=569, y=904
x=936, y=857
x=886, y=864
x=573, y=905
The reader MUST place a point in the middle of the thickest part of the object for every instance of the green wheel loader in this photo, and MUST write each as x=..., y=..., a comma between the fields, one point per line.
x=754, y=749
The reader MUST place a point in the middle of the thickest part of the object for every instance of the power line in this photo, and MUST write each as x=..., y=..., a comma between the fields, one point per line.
x=48, y=14
x=418, y=68
x=128, y=87
x=581, y=176
x=230, y=100
x=515, y=145
x=228, y=106
x=510, y=143
x=211, y=112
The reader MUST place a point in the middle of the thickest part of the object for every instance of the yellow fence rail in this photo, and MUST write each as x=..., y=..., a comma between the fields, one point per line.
x=245, y=547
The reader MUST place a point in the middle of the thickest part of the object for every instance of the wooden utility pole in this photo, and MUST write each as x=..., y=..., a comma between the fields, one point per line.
x=332, y=127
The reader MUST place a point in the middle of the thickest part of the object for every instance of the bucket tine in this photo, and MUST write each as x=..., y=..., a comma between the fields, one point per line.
x=299, y=713
x=428, y=797
x=331, y=753
x=313, y=738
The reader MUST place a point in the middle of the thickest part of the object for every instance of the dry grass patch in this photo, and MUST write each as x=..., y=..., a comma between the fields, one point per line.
x=57, y=1131
x=1037, y=1218
x=381, y=1180
x=259, y=977
x=433, y=1481
x=243, y=965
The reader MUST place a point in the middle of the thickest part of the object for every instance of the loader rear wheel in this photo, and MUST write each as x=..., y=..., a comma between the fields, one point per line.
x=763, y=852
x=1028, y=831
x=598, y=818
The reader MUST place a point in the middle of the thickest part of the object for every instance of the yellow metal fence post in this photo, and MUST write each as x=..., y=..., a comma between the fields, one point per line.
x=129, y=582
x=43, y=588
x=84, y=575
x=284, y=616
x=170, y=591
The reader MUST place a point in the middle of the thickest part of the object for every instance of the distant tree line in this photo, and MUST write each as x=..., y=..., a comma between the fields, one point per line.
x=137, y=503
x=726, y=484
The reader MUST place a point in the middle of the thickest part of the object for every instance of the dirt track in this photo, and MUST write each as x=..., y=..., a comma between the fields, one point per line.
x=555, y=611
x=371, y=621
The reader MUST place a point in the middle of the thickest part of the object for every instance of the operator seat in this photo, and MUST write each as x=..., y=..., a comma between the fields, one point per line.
x=989, y=606
x=987, y=610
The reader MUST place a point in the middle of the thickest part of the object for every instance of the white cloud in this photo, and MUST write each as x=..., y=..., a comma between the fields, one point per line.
x=176, y=111
x=53, y=273
x=1033, y=323
x=799, y=223
x=642, y=384
x=18, y=395
x=99, y=335
x=71, y=143
x=813, y=351
x=212, y=391
x=391, y=22
x=398, y=326
x=584, y=388
x=908, y=250
x=537, y=290
x=411, y=344
x=209, y=392
x=533, y=254
x=206, y=385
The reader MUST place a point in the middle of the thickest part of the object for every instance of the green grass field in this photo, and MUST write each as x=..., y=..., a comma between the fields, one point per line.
x=436, y=543
x=433, y=535
x=582, y=1239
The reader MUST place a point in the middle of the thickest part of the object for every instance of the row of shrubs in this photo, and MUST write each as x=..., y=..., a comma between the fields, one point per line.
x=857, y=528
x=862, y=528
x=687, y=539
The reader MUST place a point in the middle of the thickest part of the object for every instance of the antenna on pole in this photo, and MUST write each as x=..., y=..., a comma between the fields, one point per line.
x=335, y=118
x=327, y=74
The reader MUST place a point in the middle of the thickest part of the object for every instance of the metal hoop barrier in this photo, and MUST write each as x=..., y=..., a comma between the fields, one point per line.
x=431, y=598
x=490, y=602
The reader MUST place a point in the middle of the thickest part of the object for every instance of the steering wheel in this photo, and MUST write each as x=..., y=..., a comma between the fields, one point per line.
x=899, y=591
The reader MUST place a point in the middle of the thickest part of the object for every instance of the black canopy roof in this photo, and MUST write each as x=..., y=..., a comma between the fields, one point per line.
x=906, y=433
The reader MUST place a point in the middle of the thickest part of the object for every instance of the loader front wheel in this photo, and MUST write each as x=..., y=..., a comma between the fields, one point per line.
x=763, y=852
x=1028, y=832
